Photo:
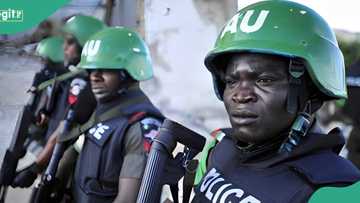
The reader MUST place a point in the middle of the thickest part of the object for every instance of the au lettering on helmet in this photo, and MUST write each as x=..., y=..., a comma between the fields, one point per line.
x=118, y=48
x=262, y=28
x=245, y=24
x=91, y=47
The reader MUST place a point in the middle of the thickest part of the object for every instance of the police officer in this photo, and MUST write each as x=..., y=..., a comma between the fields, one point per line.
x=273, y=65
x=351, y=111
x=119, y=132
x=52, y=57
x=77, y=30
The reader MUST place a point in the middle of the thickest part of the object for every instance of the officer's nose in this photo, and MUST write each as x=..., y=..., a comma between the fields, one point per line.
x=95, y=76
x=244, y=94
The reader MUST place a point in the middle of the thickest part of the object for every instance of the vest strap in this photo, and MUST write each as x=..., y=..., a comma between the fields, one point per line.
x=60, y=78
x=296, y=70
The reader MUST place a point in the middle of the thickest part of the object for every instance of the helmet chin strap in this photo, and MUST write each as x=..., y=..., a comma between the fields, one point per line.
x=296, y=85
x=296, y=97
x=72, y=62
x=298, y=130
x=124, y=80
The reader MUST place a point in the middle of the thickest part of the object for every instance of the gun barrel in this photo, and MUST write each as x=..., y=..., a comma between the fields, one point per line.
x=161, y=149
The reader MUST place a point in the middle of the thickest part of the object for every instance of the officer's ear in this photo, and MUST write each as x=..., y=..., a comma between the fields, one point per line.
x=126, y=79
x=313, y=94
x=222, y=64
x=124, y=76
x=46, y=61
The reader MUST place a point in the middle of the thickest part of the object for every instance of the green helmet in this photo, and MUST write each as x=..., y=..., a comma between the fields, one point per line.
x=118, y=48
x=82, y=27
x=51, y=48
x=288, y=29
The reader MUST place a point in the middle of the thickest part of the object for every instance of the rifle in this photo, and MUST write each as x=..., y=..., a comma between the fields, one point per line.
x=19, y=141
x=50, y=104
x=160, y=158
x=45, y=190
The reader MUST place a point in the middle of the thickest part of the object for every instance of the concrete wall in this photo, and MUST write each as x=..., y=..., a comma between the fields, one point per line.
x=180, y=33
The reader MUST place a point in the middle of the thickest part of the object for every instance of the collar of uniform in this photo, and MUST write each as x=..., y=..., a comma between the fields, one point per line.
x=264, y=151
x=131, y=96
x=255, y=153
x=313, y=143
x=115, y=108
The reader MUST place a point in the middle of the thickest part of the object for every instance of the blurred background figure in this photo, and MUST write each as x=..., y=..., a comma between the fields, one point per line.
x=352, y=111
x=346, y=113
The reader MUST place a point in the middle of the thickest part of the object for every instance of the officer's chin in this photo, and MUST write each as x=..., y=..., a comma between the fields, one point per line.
x=102, y=97
x=243, y=137
x=247, y=135
x=71, y=61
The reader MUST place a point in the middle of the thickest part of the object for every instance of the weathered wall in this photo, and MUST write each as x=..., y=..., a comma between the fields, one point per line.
x=180, y=33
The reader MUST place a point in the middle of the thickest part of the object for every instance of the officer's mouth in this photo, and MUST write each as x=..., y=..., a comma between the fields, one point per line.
x=244, y=117
x=99, y=90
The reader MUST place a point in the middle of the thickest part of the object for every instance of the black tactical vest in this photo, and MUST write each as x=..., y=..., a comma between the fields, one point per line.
x=100, y=161
x=292, y=181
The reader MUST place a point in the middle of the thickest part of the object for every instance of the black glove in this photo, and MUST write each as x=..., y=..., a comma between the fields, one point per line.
x=26, y=177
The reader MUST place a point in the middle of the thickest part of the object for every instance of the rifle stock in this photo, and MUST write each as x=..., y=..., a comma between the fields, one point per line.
x=161, y=149
x=46, y=190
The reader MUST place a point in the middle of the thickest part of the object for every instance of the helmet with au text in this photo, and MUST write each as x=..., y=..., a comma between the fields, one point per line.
x=118, y=48
x=288, y=29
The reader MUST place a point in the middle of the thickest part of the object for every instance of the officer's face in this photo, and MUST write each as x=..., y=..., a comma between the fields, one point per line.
x=255, y=96
x=71, y=51
x=104, y=84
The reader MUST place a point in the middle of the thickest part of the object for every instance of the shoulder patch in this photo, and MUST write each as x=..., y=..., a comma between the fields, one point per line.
x=136, y=116
x=149, y=128
x=217, y=134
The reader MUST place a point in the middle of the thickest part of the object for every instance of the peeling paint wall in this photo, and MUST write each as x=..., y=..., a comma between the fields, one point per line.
x=180, y=33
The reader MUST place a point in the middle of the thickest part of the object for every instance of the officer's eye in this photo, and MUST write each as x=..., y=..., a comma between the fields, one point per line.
x=265, y=81
x=230, y=82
